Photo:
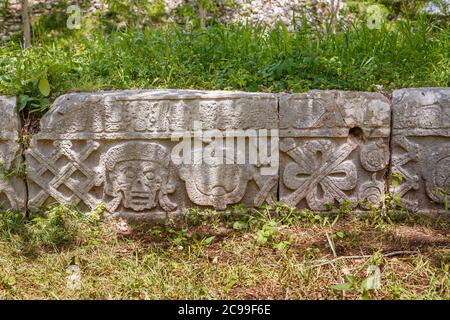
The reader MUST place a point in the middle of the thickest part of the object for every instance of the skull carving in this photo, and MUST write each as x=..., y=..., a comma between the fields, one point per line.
x=216, y=184
x=137, y=175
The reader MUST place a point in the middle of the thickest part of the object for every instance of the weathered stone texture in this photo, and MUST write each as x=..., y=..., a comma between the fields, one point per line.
x=334, y=147
x=115, y=148
x=12, y=187
x=421, y=148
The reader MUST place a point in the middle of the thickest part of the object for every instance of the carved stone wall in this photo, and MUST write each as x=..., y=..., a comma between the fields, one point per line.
x=12, y=187
x=128, y=149
x=421, y=148
x=115, y=148
x=334, y=148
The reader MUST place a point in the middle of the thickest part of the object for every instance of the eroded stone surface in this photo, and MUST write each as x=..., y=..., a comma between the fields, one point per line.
x=334, y=147
x=12, y=187
x=421, y=148
x=115, y=148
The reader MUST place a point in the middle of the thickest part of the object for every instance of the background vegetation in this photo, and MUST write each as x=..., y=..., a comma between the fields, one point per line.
x=113, y=51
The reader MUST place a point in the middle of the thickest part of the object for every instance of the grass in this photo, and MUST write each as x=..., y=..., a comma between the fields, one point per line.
x=269, y=254
x=400, y=54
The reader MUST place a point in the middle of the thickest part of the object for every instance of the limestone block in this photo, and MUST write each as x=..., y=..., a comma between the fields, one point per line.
x=334, y=147
x=420, y=171
x=117, y=148
x=12, y=187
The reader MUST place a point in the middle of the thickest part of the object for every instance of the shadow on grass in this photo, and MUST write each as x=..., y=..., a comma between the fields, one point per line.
x=58, y=229
x=61, y=228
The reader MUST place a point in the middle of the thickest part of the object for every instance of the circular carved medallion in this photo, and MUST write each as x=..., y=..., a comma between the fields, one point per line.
x=374, y=155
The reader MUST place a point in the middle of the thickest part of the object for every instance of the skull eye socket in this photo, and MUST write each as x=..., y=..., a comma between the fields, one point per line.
x=129, y=173
x=149, y=175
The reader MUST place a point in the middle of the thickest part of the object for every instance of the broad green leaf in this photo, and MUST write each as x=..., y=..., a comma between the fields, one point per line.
x=23, y=100
x=44, y=87
x=352, y=279
x=234, y=279
x=261, y=238
x=209, y=240
x=340, y=234
x=397, y=199
x=365, y=295
x=282, y=245
x=239, y=225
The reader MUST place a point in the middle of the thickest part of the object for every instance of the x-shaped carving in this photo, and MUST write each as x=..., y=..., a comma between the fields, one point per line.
x=62, y=176
x=318, y=165
x=411, y=180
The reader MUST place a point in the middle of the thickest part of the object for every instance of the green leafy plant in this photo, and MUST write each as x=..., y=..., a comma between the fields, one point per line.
x=363, y=286
x=51, y=230
x=444, y=194
x=396, y=180
x=267, y=232
x=18, y=171
x=202, y=241
x=35, y=100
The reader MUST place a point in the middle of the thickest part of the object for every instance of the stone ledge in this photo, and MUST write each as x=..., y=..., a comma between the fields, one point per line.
x=123, y=148
x=421, y=148
x=12, y=187
x=116, y=148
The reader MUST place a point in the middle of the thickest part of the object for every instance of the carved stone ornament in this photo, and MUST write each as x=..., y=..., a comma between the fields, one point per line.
x=421, y=149
x=153, y=153
x=117, y=148
x=331, y=143
x=12, y=187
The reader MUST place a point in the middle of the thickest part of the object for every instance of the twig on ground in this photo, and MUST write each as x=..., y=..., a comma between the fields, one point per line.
x=331, y=244
x=390, y=254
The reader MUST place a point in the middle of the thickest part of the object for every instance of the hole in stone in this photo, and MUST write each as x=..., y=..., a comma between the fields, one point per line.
x=303, y=176
x=320, y=191
x=356, y=134
x=338, y=175
x=319, y=155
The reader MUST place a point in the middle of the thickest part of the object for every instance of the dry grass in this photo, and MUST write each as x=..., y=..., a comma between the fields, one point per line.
x=223, y=257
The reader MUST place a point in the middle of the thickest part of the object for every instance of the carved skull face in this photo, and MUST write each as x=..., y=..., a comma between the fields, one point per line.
x=217, y=180
x=137, y=176
x=216, y=184
x=139, y=182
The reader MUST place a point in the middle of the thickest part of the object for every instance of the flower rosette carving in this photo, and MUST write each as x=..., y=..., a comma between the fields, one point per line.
x=320, y=173
x=374, y=155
